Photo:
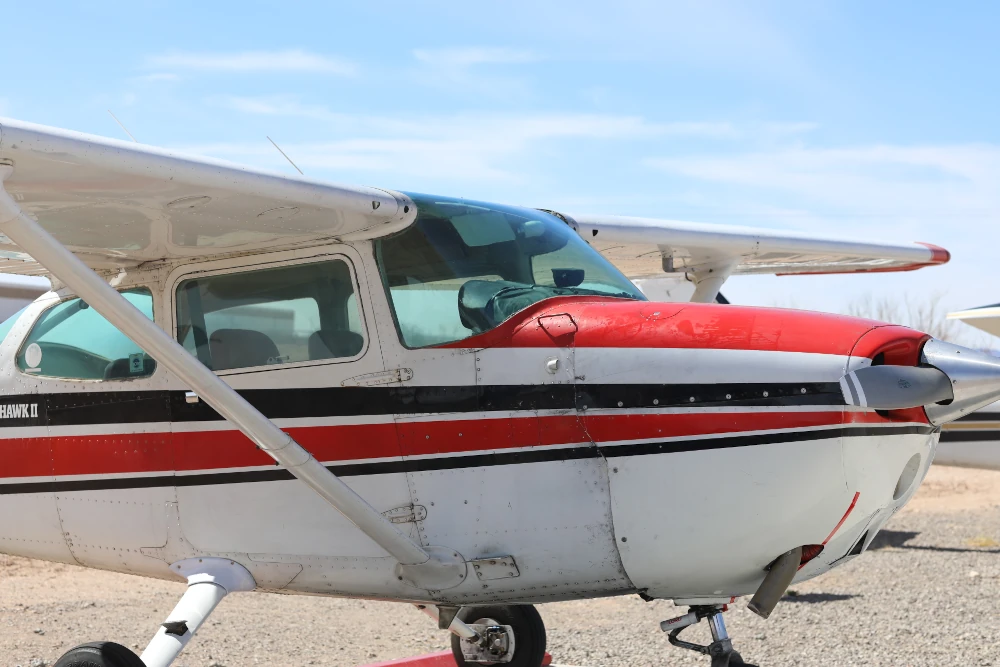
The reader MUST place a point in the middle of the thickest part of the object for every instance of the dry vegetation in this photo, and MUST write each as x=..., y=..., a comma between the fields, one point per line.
x=923, y=313
x=926, y=314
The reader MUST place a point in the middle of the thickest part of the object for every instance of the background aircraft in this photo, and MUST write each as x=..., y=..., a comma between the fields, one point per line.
x=974, y=440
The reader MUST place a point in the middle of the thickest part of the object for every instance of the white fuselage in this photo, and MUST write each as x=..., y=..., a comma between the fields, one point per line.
x=588, y=464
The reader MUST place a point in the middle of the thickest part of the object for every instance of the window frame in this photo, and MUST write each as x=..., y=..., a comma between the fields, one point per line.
x=69, y=297
x=227, y=266
x=387, y=294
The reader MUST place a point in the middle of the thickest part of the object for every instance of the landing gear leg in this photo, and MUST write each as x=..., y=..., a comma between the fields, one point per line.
x=720, y=650
x=209, y=580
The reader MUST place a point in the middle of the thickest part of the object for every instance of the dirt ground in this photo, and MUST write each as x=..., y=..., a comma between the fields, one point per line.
x=925, y=594
x=950, y=489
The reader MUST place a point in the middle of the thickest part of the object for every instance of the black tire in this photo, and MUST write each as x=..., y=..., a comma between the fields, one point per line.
x=99, y=654
x=524, y=619
x=736, y=660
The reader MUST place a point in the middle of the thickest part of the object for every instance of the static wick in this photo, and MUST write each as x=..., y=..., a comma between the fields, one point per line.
x=123, y=127
x=286, y=155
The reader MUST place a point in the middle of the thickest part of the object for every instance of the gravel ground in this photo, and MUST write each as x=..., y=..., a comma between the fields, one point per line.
x=926, y=595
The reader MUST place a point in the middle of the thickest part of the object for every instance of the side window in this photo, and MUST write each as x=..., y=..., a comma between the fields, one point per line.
x=72, y=340
x=267, y=317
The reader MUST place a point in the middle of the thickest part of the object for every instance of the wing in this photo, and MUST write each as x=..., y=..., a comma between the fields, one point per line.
x=117, y=204
x=643, y=247
x=16, y=292
x=984, y=318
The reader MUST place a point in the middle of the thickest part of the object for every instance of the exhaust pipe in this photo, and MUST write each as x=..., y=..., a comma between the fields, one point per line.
x=779, y=576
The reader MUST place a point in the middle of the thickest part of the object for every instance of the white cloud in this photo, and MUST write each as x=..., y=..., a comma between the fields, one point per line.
x=944, y=194
x=468, y=57
x=759, y=39
x=915, y=180
x=158, y=76
x=527, y=126
x=467, y=68
x=462, y=147
x=274, y=106
x=778, y=130
x=292, y=60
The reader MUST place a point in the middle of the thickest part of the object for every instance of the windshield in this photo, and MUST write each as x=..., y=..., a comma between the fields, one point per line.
x=464, y=267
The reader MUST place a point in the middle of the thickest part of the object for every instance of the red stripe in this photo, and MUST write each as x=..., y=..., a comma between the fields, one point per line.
x=843, y=518
x=938, y=254
x=25, y=457
x=206, y=450
x=121, y=453
x=443, y=659
x=213, y=450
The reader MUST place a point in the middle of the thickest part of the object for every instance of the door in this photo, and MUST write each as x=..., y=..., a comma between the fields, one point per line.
x=295, y=338
x=108, y=432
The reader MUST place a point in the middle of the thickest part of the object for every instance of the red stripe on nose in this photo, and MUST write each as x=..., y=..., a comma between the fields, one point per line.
x=843, y=518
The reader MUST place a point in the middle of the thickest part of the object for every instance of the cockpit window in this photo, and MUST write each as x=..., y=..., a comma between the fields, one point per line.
x=464, y=267
x=72, y=340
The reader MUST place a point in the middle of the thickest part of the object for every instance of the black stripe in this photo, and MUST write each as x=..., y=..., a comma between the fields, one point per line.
x=366, y=401
x=710, y=395
x=135, y=407
x=980, y=417
x=107, y=407
x=969, y=436
x=537, y=455
x=761, y=439
x=852, y=387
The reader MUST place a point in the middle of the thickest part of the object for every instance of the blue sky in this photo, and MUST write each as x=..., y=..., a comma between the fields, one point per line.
x=858, y=119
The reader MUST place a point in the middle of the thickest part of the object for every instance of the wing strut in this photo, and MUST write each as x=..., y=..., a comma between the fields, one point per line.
x=418, y=565
x=708, y=279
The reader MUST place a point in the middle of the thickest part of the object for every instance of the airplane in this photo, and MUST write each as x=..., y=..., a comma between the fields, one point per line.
x=973, y=441
x=257, y=382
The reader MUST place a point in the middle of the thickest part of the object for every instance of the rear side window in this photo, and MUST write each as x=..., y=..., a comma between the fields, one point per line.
x=72, y=340
x=270, y=317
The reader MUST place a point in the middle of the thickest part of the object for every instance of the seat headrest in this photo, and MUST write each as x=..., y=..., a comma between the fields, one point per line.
x=240, y=348
x=334, y=344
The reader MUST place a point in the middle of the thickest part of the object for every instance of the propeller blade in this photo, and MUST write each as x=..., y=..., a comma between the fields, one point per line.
x=895, y=387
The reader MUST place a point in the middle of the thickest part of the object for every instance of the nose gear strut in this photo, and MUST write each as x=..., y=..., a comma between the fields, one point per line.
x=720, y=650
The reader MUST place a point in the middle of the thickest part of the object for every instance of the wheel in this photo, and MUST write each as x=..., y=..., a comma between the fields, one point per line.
x=99, y=654
x=736, y=660
x=524, y=620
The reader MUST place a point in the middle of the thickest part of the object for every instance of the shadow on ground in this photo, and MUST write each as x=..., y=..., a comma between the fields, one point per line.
x=897, y=539
x=813, y=598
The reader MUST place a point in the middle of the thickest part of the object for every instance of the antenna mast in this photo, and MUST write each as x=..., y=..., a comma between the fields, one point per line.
x=283, y=153
x=123, y=127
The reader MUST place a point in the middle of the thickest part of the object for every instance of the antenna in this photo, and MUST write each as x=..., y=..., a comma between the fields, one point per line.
x=123, y=127
x=283, y=153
